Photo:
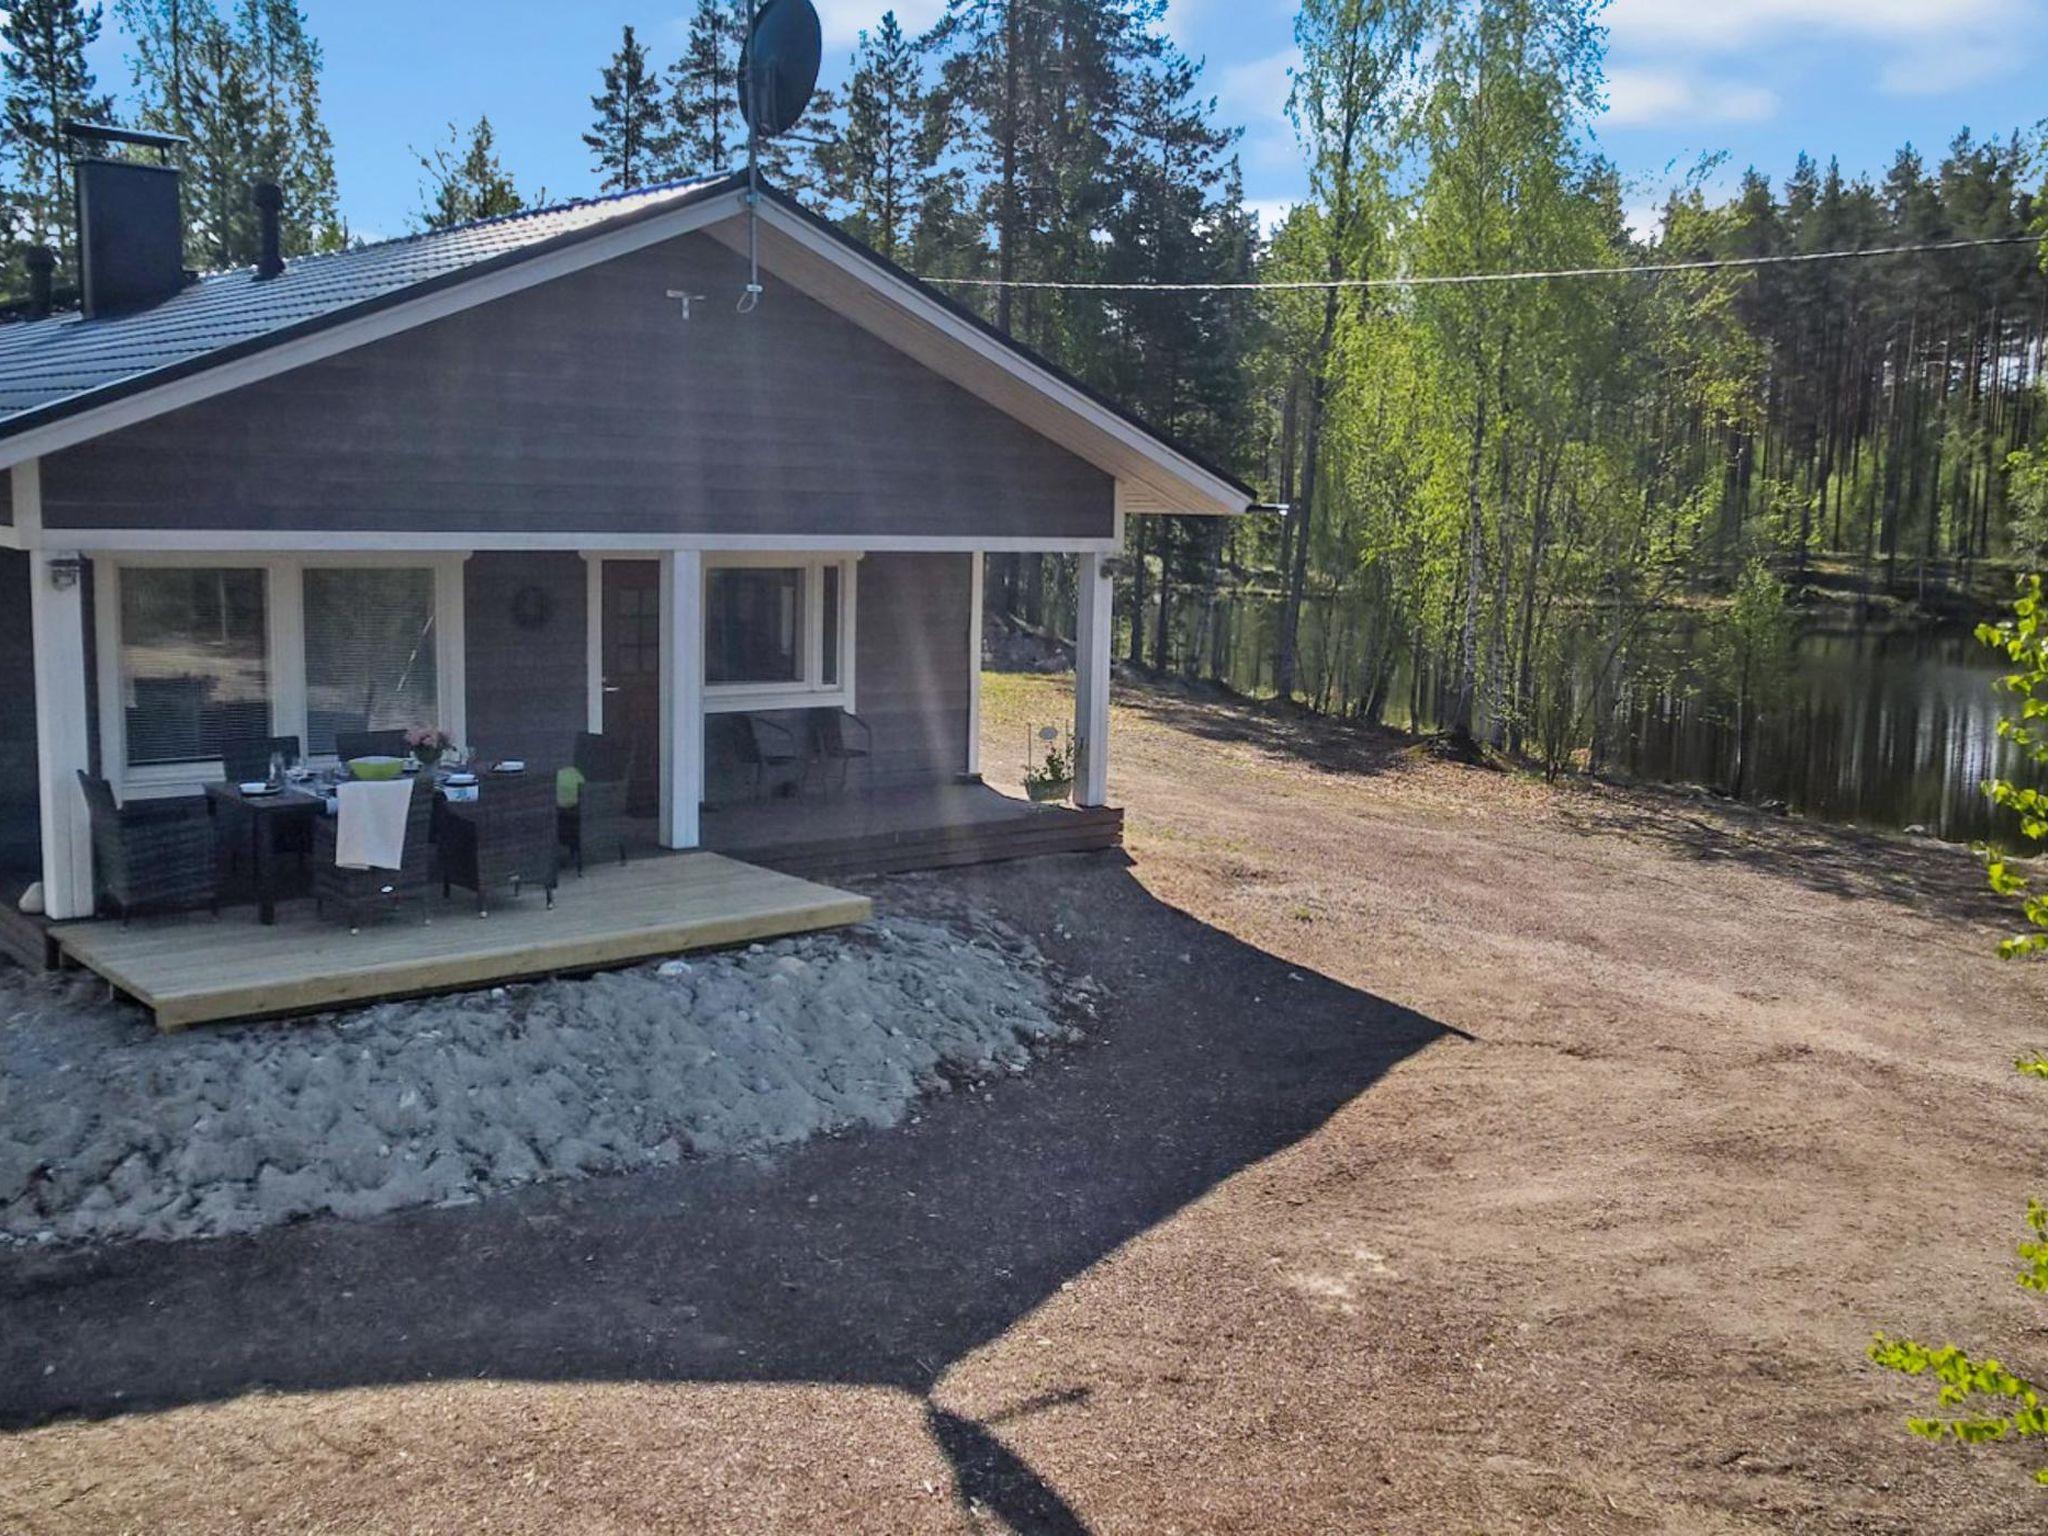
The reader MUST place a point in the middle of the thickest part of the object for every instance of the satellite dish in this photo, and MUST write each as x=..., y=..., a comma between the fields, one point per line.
x=779, y=65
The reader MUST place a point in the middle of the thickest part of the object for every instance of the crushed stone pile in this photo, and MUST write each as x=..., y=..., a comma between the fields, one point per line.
x=109, y=1130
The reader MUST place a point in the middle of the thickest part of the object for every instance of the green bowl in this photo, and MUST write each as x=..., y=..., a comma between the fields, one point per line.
x=373, y=770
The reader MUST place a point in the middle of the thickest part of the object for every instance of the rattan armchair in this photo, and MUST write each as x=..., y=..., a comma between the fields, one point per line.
x=350, y=745
x=150, y=855
x=505, y=840
x=356, y=893
x=598, y=820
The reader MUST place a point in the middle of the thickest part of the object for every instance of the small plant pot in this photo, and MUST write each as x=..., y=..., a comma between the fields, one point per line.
x=1049, y=789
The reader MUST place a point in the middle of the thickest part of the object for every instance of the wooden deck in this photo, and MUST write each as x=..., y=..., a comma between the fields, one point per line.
x=880, y=832
x=201, y=969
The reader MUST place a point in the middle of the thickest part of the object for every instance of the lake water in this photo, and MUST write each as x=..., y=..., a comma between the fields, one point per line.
x=1883, y=730
x=1880, y=730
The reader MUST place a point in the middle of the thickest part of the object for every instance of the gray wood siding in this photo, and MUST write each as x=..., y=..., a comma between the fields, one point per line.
x=20, y=799
x=910, y=680
x=527, y=687
x=589, y=405
x=911, y=656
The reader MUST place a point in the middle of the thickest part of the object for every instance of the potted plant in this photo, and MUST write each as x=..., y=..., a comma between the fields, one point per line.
x=427, y=743
x=1052, y=776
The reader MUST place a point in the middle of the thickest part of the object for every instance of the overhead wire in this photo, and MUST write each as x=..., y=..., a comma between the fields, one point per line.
x=1459, y=279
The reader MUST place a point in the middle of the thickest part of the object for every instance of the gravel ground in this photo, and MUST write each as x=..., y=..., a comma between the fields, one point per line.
x=109, y=1130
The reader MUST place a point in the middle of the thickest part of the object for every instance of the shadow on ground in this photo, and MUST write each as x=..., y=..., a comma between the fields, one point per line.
x=1933, y=878
x=1211, y=714
x=875, y=1259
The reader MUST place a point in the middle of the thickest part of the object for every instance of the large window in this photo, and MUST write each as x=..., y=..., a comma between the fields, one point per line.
x=778, y=631
x=370, y=663
x=754, y=625
x=197, y=658
x=194, y=662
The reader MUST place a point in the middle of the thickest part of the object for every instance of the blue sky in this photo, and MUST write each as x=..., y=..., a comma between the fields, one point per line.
x=1761, y=79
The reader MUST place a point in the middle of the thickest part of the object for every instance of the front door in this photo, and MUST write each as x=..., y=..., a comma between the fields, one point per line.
x=632, y=673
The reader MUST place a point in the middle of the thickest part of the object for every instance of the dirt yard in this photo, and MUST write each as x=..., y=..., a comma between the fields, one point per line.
x=1452, y=1154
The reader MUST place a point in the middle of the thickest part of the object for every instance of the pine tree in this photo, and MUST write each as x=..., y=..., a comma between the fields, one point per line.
x=246, y=97
x=45, y=81
x=709, y=136
x=631, y=137
x=466, y=183
x=294, y=148
x=878, y=165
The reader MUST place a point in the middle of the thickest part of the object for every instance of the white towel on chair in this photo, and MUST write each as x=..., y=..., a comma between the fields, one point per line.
x=371, y=833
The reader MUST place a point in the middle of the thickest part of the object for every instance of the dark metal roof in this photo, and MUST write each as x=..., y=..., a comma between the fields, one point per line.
x=63, y=365
x=55, y=367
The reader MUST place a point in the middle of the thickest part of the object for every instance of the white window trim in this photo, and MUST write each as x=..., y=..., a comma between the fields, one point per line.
x=733, y=698
x=284, y=599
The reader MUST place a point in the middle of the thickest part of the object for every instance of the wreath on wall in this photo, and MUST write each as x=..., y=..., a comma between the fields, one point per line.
x=532, y=607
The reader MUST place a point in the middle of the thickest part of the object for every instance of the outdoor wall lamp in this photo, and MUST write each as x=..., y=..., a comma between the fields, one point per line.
x=66, y=571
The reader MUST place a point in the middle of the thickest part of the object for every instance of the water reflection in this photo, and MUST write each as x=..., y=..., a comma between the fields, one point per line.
x=1883, y=730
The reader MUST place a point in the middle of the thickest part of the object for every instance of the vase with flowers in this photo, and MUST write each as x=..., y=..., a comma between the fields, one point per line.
x=428, y=744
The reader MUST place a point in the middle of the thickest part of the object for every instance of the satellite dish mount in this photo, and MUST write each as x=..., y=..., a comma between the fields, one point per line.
x=778, y=76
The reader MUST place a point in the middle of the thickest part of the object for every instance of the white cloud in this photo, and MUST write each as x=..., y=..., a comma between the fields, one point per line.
x=1271, y=212
x=1181, y=17
x=1254, y=95
x=1728, y=24
x=1928, y=46
x=1639, y=97
x=844, y=19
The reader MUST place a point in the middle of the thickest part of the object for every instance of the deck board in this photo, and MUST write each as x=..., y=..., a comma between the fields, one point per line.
x=200, y=969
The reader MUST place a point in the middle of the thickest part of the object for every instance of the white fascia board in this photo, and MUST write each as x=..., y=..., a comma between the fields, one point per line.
x=247, y=541
x=1180, y=484
x=346, y=335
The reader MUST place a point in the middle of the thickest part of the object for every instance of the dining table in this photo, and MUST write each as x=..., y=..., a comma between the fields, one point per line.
x=267, y=813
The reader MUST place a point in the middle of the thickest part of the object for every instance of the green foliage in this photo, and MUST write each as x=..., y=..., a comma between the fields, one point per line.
x=244, y=92
x=2023, y=639
x=631, y=140
x=2011, y=1405
x=45, y=80
x=2002, y=1403
x=707, y=136
x=465, y=182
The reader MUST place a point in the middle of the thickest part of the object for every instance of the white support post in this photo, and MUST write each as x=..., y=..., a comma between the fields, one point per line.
x=975, y=573
x=63, y=746
x=682, y=696
x=1092, y=639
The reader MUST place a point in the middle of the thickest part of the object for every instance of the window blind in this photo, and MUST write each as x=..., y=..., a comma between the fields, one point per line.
x=370, y=663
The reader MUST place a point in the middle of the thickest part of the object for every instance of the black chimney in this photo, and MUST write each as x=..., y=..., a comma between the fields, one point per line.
x=41, y=262
x=268, y=197
x=131, y=243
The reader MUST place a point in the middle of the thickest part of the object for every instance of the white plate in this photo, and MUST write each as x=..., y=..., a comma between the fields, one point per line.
x=460, y=780
x=513, y=765
x=257, y=787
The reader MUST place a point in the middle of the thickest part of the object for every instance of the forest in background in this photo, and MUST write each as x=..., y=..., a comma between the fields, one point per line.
x=1513, y=506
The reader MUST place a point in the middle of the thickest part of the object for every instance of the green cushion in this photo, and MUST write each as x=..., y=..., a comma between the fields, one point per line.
x=568, y=787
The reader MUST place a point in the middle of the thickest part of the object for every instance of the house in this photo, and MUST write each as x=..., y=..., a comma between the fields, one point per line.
x=542, y=474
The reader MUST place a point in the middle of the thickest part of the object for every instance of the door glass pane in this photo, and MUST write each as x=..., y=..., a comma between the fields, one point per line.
x=193, y=665
x=754, y=626
x=370, y=662
x=828, y=676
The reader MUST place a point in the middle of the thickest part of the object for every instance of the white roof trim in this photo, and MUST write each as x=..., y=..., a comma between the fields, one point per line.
x=348, y=334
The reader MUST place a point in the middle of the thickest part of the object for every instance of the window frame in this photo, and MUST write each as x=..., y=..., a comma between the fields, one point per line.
x=809, y=692
x=284, y=599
